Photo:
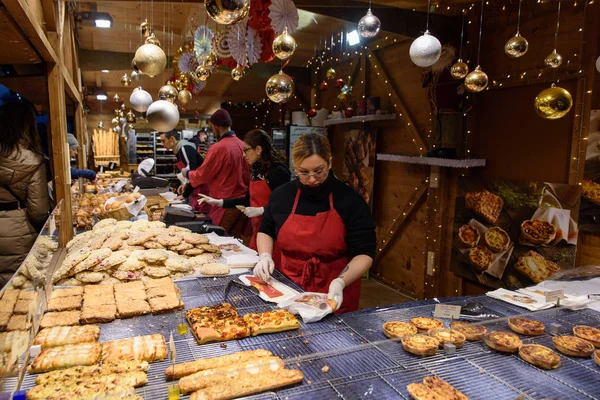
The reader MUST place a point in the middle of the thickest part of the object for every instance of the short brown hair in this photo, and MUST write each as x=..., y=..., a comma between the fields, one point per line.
x=310, y=144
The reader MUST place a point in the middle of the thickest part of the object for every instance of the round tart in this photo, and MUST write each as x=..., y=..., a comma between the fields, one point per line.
x=588, y=333
x=528, y=327
x=472, y=332
x=597, y=357
x=420, y=345
x=537, y=231
x=425, y=324
x=481, y=257
x=540, y=356
x=503, y=341
x=469, y=236
x=573, y=346
x=398, y=329
x=496, y=239
x=444, y=336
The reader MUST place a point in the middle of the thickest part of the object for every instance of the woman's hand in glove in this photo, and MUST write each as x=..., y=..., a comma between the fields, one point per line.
x=209, y=200
x=265, y=267
x=336, y=291
x=252, y=212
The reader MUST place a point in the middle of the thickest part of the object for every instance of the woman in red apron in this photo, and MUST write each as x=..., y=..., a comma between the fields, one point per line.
x=267, y=173
x=322, y=227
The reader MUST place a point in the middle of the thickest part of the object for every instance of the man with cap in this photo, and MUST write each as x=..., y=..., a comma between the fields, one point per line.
x=78, y=173
x=226, y=172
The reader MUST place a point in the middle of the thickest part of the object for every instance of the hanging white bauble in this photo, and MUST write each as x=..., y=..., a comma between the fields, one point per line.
x=425, y=50
x=598, y=64
x=140, y=99
x=162, y=115
x=135, y=76
x=369, y=25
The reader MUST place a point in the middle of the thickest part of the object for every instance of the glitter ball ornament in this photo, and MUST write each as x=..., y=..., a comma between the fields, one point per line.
x=280, y=88
x=284, y=45
x=125, y=80
x=459, y=70
x=553, y=103
x=150, y=59
x=168, y=92
x=516, y=46
x=425, y=50
x=554, y=60
x=324, y=86
x=369, y=25
x=140, y=100
x=237, y=73
x=476, y=81
x=349, y=112
x=330, y=74
x=227, y=12
x=184, y=96
x=202, y=73
x=162, y=116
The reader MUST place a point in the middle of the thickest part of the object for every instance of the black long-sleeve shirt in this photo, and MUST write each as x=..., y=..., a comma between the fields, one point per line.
x=355, y=213
x=187, y=153
x=277, y=176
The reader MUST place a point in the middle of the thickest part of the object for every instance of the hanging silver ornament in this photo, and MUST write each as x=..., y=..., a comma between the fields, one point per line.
x=553, y=60
x=117, y=98
x=135, y=76
x=425, y=50
x=237, y=73
x=162, y=116
x=369, y=25
x=227, y=12
x=115, y=121
x=280, y=88
x=117, y=129
x=140, y=99
x=145, y=28
x=459, y=70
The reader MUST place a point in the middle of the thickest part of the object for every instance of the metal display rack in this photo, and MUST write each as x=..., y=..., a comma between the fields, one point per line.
x=362, y=362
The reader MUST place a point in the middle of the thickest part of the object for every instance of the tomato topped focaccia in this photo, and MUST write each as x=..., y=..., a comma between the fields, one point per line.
x=469, y=236
x=425, y=324
x=471, y=332
x=398, y=329
x=588, y=333
x=481, y=258
x=540, y=356
x=573, y=346
x=271, y=321
x=496, y=239
x=537, y=231
x=526, y=326
x=503, y=341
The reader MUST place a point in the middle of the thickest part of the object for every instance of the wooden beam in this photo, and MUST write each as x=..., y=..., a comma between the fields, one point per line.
x=60, y=150
x=398, y=103
x=81, y=136
x=49, y=15
x=399, y=221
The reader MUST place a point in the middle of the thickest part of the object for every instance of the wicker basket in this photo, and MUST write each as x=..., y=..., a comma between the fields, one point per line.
x=155, y=207
x=120, y=214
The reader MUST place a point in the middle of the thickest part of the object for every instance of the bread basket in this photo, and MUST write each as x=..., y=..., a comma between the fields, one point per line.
x=120, y=214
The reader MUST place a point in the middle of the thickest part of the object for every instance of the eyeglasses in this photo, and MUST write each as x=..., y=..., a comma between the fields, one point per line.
x=247, y=149
x=320, y=174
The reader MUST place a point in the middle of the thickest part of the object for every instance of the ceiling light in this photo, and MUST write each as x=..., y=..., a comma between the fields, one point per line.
x=105, y=71
x=103, y=23
x=94, y=18
x=353, y=38
x=101, y=94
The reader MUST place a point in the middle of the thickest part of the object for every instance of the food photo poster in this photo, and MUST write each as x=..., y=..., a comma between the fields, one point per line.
x=359, y=161
x=514, y=234
x=589, y=214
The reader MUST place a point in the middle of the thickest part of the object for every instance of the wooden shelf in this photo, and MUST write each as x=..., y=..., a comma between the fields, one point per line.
x=433, y=161
x=360, y=118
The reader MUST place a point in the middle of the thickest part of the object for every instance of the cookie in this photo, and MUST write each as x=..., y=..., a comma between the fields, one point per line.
x=183, y=246
x=157, y=224
x=127, y=275
x=193, y=252
x=202, y=259
x=123, y=225
x=195, y=238
x=115, y=241
x=154, y=256
x=104, y=223
x=179, y=264
x=132, y=264
x=140, y=238
x=179, y=229
x=156, y=272
x=116, y=258
x=90, y=277
x=169, y=240
x=95, y=258
x=210, y=248
x=152, y=245
x=214, y=269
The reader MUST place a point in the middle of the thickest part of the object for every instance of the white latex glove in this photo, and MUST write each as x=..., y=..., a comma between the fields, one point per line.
x=252, y=212
x=336, y=291
x=264, y=268
x=209, y=200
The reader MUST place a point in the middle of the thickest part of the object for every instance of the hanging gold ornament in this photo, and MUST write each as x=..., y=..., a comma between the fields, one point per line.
x=145, y=28
x=130, y=126
x=116, y=98
x=203, y=72
x=179, y=85
x=100, y=125
x=476, y=81
x=152, y=40
x=210, y=60
x=330, y=74
x=516, y=46
x=284, y=46
x=459, y=70
x=554, y=60
x=130, y=116
x=553, y=103
x=123, y=106
x=114, y=121
x=184, y=96
x=237, y=73
x=117, y=113
x=194, y=77
x=227, y=12
x=150, y=59
x=169, y=92
x=121, y=114
x=280, y=88
x=125, y=80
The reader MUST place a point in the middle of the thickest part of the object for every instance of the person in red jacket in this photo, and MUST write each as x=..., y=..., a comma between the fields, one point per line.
x=226, y=172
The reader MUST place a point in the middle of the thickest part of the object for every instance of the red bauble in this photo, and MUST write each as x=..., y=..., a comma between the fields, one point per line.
x=349, y=112
x=312, y=113
x=339, y=83
x=323, y=86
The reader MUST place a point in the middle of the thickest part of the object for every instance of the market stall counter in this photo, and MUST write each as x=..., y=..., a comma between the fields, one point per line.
x=348, y=356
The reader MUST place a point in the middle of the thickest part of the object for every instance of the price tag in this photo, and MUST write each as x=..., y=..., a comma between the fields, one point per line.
x=554, y=295
x=446, y=311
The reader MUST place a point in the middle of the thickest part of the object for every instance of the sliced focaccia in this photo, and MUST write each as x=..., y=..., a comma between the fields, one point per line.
x=147, y=348
x=271, y=321
x=66, y=356
x=63, y=335
x=85, y=371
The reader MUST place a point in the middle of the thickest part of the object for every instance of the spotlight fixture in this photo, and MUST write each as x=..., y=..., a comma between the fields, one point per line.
x=101, y=94
x=94, y=18
x=353, y=38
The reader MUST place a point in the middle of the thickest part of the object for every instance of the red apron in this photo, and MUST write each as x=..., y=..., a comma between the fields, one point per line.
x=260, y=192
x=313, y=252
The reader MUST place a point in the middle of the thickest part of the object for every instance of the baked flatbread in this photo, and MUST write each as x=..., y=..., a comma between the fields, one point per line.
x=271, y=321
x=65, y=303
x=66, y=356
x=142, y=348
x=74, y=291
x=62, y=318
x=63, y=335
x=98, y=314
x=534, y=266
x=230, y=360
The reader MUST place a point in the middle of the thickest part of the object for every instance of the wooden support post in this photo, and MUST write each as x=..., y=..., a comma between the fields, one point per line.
x=399, y=221
x=81, y=137
x=60, y=152
x=398, y=103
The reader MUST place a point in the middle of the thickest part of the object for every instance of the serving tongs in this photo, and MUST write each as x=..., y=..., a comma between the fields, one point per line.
x=473, y=312
x=240, y=285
